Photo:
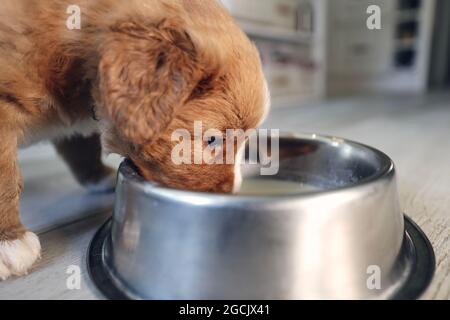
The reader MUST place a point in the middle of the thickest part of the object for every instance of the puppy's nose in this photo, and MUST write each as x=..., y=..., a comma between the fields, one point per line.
x=226, y=186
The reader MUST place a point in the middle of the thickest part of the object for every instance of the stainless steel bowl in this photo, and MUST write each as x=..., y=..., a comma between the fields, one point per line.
x=346, y=238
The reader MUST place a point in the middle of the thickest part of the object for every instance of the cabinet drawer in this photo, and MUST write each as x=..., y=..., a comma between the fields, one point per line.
x=280, y=13
x=361, y=53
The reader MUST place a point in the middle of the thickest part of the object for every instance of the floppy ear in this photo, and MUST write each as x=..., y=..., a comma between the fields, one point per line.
x=146, y=72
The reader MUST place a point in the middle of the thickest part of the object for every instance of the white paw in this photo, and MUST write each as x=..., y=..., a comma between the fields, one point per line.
x=107, y=184
x=17, y=256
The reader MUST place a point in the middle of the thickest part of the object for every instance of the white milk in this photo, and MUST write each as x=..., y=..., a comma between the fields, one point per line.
x=267, y=187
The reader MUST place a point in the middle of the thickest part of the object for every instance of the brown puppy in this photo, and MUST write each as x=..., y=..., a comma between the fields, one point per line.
x=136, y=71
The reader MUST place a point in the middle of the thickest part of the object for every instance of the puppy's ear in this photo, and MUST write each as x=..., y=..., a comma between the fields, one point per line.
x=146, y=72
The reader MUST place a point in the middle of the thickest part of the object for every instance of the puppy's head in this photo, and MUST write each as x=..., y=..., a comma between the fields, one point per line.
x=156, y=79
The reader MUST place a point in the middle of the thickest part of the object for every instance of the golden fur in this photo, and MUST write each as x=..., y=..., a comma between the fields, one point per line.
x=142, y=68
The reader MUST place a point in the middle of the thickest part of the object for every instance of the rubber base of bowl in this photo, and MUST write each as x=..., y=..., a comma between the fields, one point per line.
x=418, y=279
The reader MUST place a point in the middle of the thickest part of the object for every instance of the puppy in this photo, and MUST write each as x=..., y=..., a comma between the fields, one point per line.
x=133, y=73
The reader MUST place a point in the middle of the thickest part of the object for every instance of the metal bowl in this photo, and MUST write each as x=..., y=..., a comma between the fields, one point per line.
x=344, y=238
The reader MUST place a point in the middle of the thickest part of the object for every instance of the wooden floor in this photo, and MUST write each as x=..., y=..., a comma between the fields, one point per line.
x=414, y=131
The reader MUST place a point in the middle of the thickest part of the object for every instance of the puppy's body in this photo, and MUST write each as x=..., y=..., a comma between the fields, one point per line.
x=136, y=71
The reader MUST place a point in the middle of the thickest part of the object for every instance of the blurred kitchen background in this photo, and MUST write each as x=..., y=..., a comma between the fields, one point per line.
x=319, y=49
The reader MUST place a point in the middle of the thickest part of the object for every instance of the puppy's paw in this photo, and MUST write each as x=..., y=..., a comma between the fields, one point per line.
x=105, y=185
x=17, y=256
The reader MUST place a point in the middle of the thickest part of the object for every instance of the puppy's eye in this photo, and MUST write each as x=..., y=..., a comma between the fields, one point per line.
x=212, y=140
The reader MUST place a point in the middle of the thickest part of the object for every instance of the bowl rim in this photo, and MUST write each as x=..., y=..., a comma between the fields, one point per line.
x=137, y=182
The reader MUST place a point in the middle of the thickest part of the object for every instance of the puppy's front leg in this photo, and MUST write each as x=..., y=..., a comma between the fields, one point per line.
x=84, y=157
x=19, y=248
